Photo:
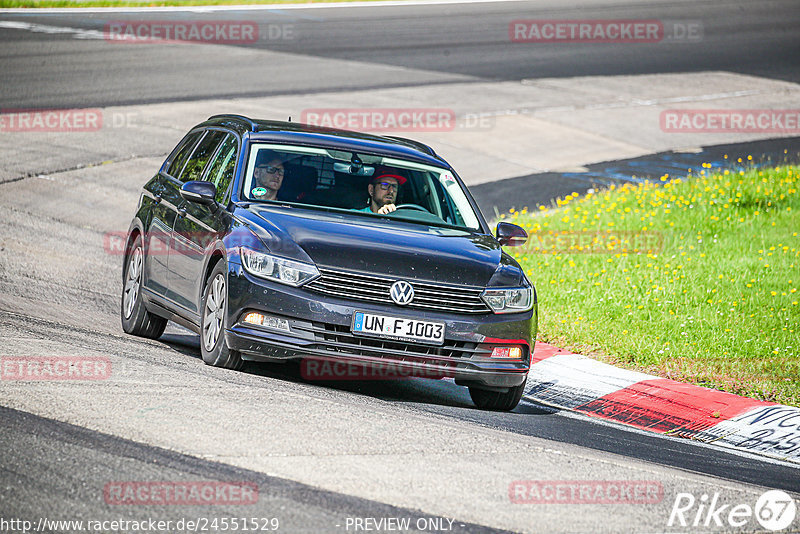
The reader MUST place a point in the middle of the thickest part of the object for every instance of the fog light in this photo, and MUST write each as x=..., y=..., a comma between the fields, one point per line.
x=267, y=320
x=514, y=353
x=253, y=318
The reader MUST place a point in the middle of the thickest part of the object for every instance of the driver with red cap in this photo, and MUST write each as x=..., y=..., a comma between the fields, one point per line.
x=383, y=193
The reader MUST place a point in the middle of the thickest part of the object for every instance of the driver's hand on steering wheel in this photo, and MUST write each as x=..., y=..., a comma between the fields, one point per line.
x=388, y=208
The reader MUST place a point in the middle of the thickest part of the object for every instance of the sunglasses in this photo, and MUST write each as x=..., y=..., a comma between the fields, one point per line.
x=388, y=185
x=270, y=170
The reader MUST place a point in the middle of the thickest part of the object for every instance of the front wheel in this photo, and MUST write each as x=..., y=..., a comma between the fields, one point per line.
x=212, y=333
x=493, y=400
x=136, y=319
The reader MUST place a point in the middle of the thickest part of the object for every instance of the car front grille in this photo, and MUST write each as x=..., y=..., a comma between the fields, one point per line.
x=338, y=339
x=427, y=296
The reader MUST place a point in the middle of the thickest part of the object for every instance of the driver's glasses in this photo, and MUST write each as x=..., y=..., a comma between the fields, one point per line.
x=388, y=185
x=270, y=170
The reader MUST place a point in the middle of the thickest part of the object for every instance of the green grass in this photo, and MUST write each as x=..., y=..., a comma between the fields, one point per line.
x=148, y=3
x=714, y=302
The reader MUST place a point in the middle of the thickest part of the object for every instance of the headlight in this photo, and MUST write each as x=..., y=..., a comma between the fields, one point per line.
x=277, y=269
x=513, y=300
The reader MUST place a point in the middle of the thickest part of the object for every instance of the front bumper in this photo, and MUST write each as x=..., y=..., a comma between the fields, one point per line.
x=319, y=330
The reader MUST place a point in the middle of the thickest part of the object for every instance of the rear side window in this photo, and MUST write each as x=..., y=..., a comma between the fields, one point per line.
x=223, y=167
x=180, y=157
x=197, y=162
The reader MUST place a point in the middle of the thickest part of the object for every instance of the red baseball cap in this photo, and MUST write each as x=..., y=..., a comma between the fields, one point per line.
x=400, y=179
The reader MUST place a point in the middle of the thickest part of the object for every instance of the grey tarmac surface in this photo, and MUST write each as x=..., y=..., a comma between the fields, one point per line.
x=380, y=47
x=40, y=485
x=324, y=452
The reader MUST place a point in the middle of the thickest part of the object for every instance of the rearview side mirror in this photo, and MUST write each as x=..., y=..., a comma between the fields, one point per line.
x=199, y=192
x=510, y=235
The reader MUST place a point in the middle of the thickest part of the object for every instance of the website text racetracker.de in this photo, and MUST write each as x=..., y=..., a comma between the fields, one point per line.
x=64, y=120
x=604, y=31
x=197, y=524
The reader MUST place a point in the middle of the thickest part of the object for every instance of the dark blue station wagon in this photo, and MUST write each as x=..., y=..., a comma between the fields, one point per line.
x=281, y=241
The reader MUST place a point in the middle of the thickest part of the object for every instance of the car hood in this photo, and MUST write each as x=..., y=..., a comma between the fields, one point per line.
x=384, y=247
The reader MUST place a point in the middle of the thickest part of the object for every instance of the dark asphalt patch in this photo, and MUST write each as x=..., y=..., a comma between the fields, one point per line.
x=59, y=470
x=542, y=189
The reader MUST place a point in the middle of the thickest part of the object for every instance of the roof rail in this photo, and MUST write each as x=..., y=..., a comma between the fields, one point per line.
x=416, y=144
x=253, y=124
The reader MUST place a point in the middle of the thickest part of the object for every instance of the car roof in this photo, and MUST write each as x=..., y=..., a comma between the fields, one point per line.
x=305, y=134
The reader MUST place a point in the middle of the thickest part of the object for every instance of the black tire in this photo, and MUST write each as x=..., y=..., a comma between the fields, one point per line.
x=136, y=320
x=215, y=351
x=499, y=402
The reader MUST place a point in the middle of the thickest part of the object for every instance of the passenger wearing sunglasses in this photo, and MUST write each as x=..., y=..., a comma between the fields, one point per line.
x=383, y=191
x=268, y=177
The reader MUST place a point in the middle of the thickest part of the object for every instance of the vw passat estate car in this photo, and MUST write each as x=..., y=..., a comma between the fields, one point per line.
x=280, y=241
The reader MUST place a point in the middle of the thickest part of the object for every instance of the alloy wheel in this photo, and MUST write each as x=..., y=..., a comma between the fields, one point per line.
x=214, y=312
x=133, y=282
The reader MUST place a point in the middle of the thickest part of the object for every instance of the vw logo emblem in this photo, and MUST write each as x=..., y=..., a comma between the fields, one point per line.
x=401, y=292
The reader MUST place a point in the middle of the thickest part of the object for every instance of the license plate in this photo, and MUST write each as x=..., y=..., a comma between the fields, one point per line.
x=399, y=328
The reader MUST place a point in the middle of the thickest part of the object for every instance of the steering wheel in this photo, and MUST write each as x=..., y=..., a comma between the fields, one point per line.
x=412, y=207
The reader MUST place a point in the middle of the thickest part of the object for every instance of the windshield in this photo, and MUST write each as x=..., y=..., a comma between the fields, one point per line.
x=357, y=182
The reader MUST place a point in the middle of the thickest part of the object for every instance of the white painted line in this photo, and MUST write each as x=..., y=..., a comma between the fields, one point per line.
x=697, y=98
x=77, y=33
x=547, y=110
x=632, y=103
x=259, y=7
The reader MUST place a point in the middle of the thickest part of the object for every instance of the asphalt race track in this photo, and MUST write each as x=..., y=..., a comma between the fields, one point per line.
x=324, y=457
x=393, y=46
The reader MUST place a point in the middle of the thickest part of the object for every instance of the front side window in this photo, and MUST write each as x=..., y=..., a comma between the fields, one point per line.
x=180, y=157
x=357, y=182
x=223, y=167
x=197, y=162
